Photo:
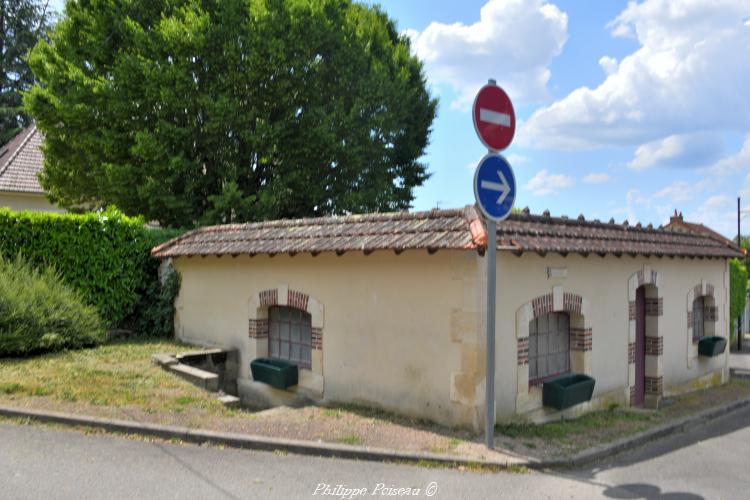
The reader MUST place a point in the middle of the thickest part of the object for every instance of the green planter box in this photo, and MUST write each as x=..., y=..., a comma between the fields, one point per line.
x=276, y=372
x=711, y=346
x=567, y=390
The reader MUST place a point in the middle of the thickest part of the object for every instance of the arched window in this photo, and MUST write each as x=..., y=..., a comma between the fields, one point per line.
x=549, y=346
x=704, y=316
x=290, y=335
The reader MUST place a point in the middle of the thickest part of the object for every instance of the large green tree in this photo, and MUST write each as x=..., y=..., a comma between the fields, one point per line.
x=205, y=111
x=22, y=23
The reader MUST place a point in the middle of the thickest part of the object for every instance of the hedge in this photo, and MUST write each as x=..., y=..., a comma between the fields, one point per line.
x=737, y=291
x=104, y=256
x=38, y=312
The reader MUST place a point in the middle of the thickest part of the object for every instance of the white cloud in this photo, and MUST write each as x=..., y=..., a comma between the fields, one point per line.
x=733, y=163
x=686, y=76
x=608, y=64
x=677, y=192
x=718, y=212
x=544, y=183
x=686, y=150
x=516, y=159
x=597, y=178
x=513, y=41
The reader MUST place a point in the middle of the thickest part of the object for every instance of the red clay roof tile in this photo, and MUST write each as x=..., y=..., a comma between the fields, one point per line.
x=458, y=229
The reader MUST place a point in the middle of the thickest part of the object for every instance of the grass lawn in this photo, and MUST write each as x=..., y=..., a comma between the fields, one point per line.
x=569, y=436
x=115, y=375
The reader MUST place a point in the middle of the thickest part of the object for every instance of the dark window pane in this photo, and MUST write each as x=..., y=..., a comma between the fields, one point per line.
x=549, y=345
x=295, y=352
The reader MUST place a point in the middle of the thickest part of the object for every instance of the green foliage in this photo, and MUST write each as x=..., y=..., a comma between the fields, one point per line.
x=38, y=312
x=155, y=311
x=737, y=288
x=104, y=256
x=195, y=111
x=22, y=24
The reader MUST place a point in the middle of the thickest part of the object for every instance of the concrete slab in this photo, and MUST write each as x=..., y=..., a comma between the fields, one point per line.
x=229, y=400
x=203, y=379
x=163, y=359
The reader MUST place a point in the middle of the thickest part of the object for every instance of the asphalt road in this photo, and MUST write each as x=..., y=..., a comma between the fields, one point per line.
x=39, y=462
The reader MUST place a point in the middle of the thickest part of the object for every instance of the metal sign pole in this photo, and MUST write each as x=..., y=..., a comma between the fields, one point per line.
x=495, y=194
x=489, y=430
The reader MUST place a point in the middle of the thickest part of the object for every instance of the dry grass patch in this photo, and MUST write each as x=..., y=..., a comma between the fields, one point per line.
x=117, y=375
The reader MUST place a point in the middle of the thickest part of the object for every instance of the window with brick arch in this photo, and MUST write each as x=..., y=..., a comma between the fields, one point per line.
x=704, y=317
x=549, y=346
x=290, y=335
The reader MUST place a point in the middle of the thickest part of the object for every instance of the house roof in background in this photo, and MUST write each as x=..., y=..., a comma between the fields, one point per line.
x=457, y=229
x=20, y=160
x=678, y=224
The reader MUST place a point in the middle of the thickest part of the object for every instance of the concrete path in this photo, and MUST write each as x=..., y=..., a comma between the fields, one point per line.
x=38, y=462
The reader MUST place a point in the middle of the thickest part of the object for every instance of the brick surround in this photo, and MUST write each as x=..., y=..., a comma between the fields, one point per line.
x=654, y=346
x=580, y=339
x=317, y=339
x=654, y=385
x=631, y=354
x=298, y=300
x=654, y=307
x=523, y=351
x=269, y=297
x=572, y=303
x=258, y=329
x=542, y=305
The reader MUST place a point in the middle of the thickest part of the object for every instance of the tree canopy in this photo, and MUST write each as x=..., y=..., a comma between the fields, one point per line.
x=191, y=112
x=22, y=23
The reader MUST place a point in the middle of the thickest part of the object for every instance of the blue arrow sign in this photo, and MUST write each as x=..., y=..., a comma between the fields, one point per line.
x=495, y=187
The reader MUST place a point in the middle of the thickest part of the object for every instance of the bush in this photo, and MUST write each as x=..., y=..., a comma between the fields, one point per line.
x=104, y=256
x=737, y=291
x=38, y=312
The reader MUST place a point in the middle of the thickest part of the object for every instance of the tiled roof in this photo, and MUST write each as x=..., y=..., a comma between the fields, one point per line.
x=438, y=229
x=20, y=160
x=679, y=225
x=459, y=229
x=542, y=233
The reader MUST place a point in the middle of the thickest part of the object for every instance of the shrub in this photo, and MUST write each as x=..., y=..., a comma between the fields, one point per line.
x=104, y=256
x=38, y=312
x=737, y=291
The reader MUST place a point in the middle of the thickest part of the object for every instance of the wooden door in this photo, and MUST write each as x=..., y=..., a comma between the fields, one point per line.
x=640, y=346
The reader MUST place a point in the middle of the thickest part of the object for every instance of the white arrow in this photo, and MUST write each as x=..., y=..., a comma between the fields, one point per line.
x=501, y=187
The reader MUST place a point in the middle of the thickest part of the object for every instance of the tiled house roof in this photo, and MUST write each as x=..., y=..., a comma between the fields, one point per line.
x=20, y=160
x=458, y=229
x=438, y=229
x=679, y=225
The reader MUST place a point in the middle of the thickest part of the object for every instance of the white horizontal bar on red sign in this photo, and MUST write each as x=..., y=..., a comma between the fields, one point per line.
x=487, y=115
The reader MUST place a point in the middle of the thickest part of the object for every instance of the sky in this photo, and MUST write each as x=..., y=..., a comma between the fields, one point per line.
x=625, y=110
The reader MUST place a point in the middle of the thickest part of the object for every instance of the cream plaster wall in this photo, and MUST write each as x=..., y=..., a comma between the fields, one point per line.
x=399, y=332
x=406, y=332
x=24, y=201
x=603, y=282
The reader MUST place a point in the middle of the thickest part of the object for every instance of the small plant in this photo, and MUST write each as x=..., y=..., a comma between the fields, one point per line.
x=10, y=388
x=38, y=312
x=185, y=400
x=352, y=439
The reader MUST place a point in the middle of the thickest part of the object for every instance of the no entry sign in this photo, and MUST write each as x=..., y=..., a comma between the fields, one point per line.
x=494, y=118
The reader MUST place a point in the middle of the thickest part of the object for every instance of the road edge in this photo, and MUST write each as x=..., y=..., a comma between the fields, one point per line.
x=333, y=450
